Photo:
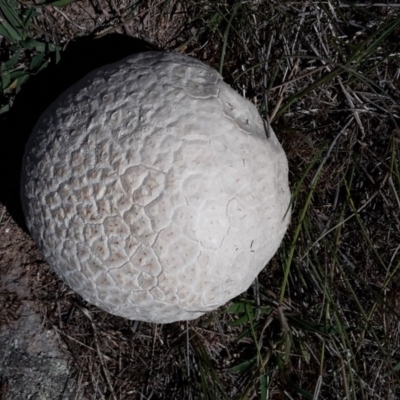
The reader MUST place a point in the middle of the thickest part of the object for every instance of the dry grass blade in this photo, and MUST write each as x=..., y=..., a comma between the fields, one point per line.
x=99, y=353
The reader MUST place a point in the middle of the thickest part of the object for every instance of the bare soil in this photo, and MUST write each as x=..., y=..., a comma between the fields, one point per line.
x=32, y=362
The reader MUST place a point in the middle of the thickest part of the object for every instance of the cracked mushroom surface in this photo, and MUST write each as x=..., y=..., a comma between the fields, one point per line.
x=152, y=190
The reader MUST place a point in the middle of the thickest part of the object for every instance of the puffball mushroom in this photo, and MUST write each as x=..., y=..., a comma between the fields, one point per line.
x=152, y=190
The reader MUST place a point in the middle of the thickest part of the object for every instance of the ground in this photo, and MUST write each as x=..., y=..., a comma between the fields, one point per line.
x=322, y=319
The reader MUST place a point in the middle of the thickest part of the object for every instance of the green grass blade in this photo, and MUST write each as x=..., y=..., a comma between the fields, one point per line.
x=60, y=3
x=236, y=8
x=13, y=18
x=9, y=32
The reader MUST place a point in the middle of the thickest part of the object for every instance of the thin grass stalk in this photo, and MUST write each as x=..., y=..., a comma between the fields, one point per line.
x=386, y=356
x=298, y=228
x=226, y=35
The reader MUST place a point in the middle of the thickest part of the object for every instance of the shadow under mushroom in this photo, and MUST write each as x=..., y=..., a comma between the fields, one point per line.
x=80, y=57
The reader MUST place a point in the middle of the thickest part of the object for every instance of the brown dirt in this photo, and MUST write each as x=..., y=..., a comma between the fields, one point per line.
x=32, y=363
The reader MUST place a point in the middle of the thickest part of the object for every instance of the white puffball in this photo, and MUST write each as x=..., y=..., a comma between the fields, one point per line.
x=152, y=190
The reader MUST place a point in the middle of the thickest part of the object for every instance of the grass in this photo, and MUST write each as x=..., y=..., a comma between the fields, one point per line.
x=322, y=320
x=23, y=55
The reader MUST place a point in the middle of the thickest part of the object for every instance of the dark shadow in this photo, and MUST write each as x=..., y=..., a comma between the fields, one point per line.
x=80, y=57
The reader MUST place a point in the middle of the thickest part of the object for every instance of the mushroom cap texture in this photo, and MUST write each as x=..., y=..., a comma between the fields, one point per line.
x=152, y=190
